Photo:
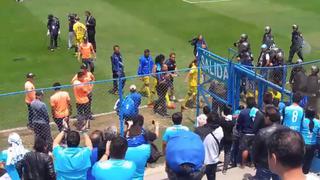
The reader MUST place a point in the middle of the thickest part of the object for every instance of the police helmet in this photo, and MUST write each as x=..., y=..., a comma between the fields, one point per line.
x=295, y=27
x=244, y=36
x=267, y=29
x=264, y=46
x=314, y=69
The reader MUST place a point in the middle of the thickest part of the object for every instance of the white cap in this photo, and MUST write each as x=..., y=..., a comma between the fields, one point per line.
x=133, y=87
x=299, y=61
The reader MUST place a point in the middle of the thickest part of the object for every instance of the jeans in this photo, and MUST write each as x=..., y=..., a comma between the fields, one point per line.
x=89, y=64
x=53, y=41
x=42, y=130
x=59, y=123
x=116, y=75
x=265, y=174
x=227, y=155
x=82, y=111
x=310, y=152
x=235, y=152
x=29, y=115
x=211, y=171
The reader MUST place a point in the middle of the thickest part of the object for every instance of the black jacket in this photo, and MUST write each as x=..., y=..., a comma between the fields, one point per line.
x=36, y=166
x=260, y=153
x=227, y=127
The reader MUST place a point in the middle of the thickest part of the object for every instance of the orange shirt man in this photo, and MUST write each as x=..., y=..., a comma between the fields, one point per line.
x=89, y=77
x=81, y=92
x=60, y=105
x=87, y=54
x=30, y=94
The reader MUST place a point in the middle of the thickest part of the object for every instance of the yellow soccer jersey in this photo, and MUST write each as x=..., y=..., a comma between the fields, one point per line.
x=79, y=29
x=193, y=75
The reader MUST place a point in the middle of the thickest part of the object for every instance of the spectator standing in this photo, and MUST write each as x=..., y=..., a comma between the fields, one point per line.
x=87, y=54
x=211, y=134
x=293, y=115
x=260, y=153
x=81, y=92
x=192, y=79
x=202, y=118
x=30, y=95
x=227, y=125
x=286, y=151
x=162, y=75
x=116, y=167
x=310, y=131
x=250, y=120
x=117, y=70
x=185, y=156
x=37, y=164
x=10, y=157
x=53, y=26
x=145, y=69
x=72, y=162
x=89, y=78
x=60, y=105
x=296, y=43
x=96, y=138
x=40, y=119
x=174, y=130
x=91, y=29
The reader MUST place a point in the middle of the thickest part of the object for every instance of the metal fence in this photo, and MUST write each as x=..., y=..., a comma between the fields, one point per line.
x=158, y=102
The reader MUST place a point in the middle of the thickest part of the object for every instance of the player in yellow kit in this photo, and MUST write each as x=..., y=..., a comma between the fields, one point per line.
x=192, y=79
x=79, y=32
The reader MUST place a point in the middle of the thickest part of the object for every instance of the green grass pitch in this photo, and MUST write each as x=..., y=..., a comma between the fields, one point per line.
x=160, y=25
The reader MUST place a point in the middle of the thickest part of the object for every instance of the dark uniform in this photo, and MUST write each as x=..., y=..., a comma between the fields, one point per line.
x=298, y=79
x=171, y=67
x=53, y=26
x=296, y=45
x=91, y=30
x=72, y=21
x=277, y=60
x=313, y=90
x=117, y=71
x=268, y=39
x=162, y=86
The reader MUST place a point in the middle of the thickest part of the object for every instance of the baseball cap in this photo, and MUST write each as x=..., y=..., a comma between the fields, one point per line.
x=39, y=93
x=30, y=75
x=133, y=87
x=299, y=61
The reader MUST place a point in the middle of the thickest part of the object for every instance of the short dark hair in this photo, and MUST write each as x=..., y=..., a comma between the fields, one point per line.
x=177, y=118
x=227, y=110
x=96, y=137
x=88, y=12
x=73, y=139
x=267, y=98
x=251, y=102
x=40, y=145
x=160, y=58
x=146, y=51
x=56, y=86
x=213, y=118
x=296, y=98
x=288, y=146
x=116, y=46
x=311, y=114
x=80, y=74
x=272, y=112
x=138, y=120
x=206, y=110
x=118, y=147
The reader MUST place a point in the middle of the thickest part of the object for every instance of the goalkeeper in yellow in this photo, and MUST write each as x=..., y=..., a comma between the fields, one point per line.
x=192, y=79
x=79, y=32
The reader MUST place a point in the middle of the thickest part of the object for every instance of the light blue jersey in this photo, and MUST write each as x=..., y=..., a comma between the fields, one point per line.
x=293, y=116
x=310, y=137
x=139, y=155
x=114, y=169
x=11, y=169
x=172, y=131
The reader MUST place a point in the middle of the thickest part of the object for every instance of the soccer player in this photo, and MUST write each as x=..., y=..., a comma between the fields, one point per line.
x=79, y=32
x=60, y=105
x=87, y=54
x=192, y=90
x=293, y=115
x=53, y=26
x=81, y=92
x=91, y=29
x=89, y=77
x=30, y=95
x=145, y=68
x=117, y=69
x=296, y=43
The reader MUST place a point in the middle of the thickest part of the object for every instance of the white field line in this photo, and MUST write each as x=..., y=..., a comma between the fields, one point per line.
x=52, y=123
x=206, y=1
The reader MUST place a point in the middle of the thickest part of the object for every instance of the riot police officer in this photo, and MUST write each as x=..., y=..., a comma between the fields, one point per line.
x=298, y=78
x=244, y=50
x=277, y=60
x=313, y=88
x=296, y=43
x=264, y=60
x=268, y=37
